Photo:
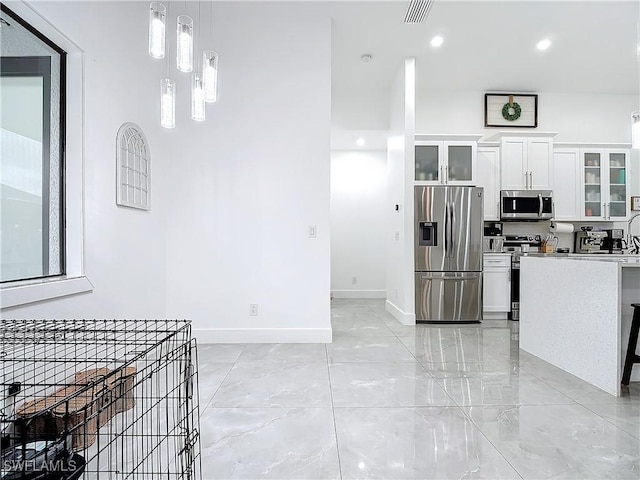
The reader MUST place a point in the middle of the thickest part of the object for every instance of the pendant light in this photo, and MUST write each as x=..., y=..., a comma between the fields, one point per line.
x=167, y=103
x=184, y=57
x=210, y=73
x=197, y=97
x=635, y=130
x=197, y=85
x=210, y=67
x=157, y=22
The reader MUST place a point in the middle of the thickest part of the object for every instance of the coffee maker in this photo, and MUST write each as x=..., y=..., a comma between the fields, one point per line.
x=613, y=243
x=493, y=238
x=589, y=241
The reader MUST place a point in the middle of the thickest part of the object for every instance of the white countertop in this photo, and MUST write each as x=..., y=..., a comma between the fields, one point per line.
x=623, y=260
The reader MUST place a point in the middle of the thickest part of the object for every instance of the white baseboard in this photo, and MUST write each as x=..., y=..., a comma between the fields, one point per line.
x=263, y=335
x=494, y=315
x=359, y=293
x=401, y=316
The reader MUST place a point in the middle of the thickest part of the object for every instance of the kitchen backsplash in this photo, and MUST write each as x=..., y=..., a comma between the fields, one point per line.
x=542, y=228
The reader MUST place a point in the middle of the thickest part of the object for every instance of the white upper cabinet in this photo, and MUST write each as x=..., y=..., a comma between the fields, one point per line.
x=604, y=174
x=526, y=161
x=489, y=179
x=568, y=187
x=446, y=159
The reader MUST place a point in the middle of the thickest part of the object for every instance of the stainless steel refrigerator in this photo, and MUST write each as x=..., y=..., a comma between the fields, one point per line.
x=448, y=254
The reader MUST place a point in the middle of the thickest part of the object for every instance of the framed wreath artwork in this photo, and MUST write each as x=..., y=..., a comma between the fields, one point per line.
x=510, y=110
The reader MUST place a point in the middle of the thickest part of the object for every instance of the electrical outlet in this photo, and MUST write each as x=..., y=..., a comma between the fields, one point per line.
x=354, y=280
x=313, y=231
x=253, y=309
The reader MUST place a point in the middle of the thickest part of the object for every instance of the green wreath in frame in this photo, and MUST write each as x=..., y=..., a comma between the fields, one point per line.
x=506, y=111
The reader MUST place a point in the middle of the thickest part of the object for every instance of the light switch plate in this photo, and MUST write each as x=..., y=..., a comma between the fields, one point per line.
x=635, y=203
x=313, y=231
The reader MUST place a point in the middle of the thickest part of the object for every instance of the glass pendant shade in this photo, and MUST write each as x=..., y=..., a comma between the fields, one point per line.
x=210, y=73
x=167, y=103
x=157, y=18
x=635, y=130
x=197, y=97
x=184, y=56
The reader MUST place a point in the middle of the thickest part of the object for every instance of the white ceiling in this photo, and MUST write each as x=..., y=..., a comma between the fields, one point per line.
x=488, y=46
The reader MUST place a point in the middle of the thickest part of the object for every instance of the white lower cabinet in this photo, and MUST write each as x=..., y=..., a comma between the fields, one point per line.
x=496, y=291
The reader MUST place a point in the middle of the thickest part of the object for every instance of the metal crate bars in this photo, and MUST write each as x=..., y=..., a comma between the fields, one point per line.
x=99, y=399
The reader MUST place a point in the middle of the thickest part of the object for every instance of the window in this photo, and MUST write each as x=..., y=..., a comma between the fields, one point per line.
x=32, y=129
x=134, y=168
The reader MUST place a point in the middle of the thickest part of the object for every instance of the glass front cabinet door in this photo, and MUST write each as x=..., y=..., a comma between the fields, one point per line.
x=428, y=163
x=605, y=184
x=593, y=203
x=446, y=162
x=617, y=206
x=459, y=164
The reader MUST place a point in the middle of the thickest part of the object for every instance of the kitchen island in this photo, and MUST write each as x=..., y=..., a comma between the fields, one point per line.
x=575, y=313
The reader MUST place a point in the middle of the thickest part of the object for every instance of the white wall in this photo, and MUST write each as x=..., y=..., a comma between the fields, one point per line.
x=576, y=117
x=359, y=212
x=366, y=109
x=232, y=198
x=124, y=248
x=247, y=184
x=400, y=160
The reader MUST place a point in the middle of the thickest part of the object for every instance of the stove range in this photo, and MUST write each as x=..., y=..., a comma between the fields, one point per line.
x=519, y=245
x=515, y=243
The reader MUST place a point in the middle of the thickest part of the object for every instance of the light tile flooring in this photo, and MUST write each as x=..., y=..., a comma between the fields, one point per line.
x=395, y=402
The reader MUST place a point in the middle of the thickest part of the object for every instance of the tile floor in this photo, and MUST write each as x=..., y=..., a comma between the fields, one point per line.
x=395, y=402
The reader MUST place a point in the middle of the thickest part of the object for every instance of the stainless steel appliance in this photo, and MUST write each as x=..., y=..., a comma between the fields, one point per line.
x=613, y=242
x=519, y=245
x=526, y=205
x=494, y=243
x=492, y=229
x=448, y=254
x=590, y=241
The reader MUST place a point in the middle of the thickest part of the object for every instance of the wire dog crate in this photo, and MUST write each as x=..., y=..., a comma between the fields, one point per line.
x=98, y=400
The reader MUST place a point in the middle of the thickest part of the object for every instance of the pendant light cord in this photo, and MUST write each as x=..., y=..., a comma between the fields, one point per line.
x=199, y=36
x=166, y=22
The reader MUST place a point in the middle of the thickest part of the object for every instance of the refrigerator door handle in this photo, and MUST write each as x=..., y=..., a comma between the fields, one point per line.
x=446, y=230
x=452, y=228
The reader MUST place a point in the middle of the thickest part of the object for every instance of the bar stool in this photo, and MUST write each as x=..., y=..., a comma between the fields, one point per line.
x=633, y=342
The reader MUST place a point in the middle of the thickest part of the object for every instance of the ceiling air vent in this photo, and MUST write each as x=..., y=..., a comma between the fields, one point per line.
x=417, y=11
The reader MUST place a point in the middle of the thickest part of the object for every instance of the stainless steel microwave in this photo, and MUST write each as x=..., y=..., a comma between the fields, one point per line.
x=526, y=205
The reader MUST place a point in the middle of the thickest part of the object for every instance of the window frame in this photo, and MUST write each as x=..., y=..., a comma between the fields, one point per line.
x=73, y=281
x=39, y=66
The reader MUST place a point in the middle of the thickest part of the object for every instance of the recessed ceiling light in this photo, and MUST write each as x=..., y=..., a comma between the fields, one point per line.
x=366, y=58
x=360, y=142
x=437, y=41
x=543, y=44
